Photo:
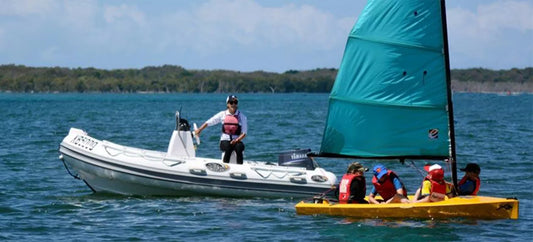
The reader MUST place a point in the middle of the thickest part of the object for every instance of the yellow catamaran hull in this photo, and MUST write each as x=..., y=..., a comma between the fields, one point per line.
x=464, y=206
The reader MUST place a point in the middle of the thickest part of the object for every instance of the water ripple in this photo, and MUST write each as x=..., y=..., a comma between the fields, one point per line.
x=40, y=201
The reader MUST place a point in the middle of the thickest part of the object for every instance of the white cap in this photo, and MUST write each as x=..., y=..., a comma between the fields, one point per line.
x=435, y=167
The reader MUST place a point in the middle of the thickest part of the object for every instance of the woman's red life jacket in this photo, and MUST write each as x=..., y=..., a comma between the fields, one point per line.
x=231, y=125
x=438, y=191
x=344, y=187
x=476, y=180
x=386, y=189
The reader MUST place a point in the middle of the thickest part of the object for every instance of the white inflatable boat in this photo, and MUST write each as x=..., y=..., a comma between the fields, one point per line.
x=108, y=167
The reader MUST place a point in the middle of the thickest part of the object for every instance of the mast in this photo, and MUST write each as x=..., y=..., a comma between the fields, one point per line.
x=449, y=93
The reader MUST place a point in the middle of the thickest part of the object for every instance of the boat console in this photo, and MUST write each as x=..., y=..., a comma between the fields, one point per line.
x=181, y=142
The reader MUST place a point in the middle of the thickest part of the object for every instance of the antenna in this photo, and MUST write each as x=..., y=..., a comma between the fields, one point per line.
x=178, y=118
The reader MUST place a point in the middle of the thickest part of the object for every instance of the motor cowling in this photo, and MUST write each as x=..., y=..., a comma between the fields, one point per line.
x=297, y=158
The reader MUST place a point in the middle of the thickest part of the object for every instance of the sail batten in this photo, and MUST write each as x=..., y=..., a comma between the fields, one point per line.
x=407, y=45
x=330, y=155
x=390, y=98
x=367, y=102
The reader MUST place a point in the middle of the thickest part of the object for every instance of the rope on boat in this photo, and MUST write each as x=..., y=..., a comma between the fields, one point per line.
x=453, y=190
x=173, y=163
x=323, y=196
x=274, y=171
x=136, y=153
x=68, y=170
x=416, y=168
x=77, y=176
x=139, y=153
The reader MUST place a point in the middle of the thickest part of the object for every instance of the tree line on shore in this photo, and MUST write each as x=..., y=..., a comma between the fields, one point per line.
x=170, y=78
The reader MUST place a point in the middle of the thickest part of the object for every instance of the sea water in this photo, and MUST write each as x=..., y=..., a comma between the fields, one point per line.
x=40, y=201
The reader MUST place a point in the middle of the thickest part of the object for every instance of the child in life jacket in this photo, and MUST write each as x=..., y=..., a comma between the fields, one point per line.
x=234, y=128
x=388, y=185
x=434, y=188
x=352, y=187
x=470, y=183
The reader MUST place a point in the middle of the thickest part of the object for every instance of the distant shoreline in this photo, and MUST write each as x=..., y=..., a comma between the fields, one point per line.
x=176, y=79
x=500, y=87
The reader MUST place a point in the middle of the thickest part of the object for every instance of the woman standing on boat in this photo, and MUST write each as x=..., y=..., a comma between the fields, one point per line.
x=234, y=128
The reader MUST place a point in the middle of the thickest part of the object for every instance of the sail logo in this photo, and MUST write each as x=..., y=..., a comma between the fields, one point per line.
x=433, y=134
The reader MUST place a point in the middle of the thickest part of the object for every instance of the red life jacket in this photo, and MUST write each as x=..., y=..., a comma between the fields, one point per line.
x=387, y=189
x=477, y=181
x=437, y=192
x=344, y=187
x=231, y=125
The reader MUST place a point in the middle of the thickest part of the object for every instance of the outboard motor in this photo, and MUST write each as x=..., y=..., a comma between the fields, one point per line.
x=297, y=158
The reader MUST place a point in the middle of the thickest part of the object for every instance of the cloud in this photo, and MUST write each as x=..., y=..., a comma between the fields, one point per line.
x=496, y=35
x=124, y=13
x=252, y=36
x=121, y=34
x=234, y=34
x=78, y=15
x=23, y=8
x=217, y=25
x=506, y=14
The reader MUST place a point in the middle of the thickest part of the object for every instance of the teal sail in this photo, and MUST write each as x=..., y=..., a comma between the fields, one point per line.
x=391, y=95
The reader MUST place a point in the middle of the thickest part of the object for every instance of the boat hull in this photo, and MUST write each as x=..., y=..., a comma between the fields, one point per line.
x=112, y=168
x=478, y=207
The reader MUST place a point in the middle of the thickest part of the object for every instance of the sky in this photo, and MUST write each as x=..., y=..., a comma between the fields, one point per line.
x=240, y=35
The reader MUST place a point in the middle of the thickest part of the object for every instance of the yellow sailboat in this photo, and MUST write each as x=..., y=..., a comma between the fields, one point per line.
x=392, y=100
x=479, y=207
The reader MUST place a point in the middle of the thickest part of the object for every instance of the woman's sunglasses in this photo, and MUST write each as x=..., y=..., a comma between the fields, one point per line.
x=233, y=102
